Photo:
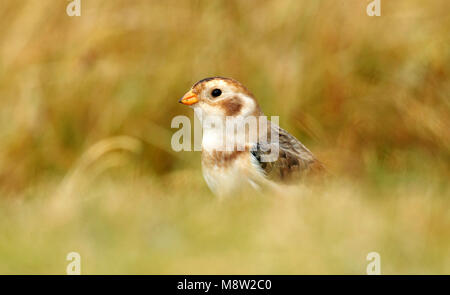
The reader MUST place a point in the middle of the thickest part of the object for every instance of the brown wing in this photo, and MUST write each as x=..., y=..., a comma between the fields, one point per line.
x=294, y=160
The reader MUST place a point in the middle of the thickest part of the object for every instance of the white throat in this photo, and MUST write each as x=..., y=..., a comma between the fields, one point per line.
x=225, y=134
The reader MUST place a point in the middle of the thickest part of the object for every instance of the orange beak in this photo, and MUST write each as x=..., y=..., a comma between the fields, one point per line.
x=189, y=98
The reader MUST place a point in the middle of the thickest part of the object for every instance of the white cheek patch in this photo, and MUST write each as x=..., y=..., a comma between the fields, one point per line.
x=248, y=106
x=212, y=110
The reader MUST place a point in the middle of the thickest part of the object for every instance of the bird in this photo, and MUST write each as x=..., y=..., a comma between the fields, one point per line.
x=248, y=161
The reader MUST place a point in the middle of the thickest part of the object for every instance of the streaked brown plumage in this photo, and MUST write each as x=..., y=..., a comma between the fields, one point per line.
x=294, y=159
x=225, y=171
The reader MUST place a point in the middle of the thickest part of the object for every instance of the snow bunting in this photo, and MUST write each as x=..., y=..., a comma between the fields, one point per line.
x=270, y=158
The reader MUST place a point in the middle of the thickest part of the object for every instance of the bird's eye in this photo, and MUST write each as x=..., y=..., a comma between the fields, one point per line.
x=216, y=92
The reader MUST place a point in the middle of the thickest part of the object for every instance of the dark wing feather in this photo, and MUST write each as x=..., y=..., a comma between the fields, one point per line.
x=294, y=160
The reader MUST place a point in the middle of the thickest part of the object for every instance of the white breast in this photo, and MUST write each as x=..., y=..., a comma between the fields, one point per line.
x=227, y=180
x=225, y=176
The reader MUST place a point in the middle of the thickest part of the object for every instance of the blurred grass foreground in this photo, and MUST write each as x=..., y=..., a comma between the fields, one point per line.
x=86, y=165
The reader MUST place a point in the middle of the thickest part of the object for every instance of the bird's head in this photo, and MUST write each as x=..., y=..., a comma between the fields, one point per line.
x=221, y=97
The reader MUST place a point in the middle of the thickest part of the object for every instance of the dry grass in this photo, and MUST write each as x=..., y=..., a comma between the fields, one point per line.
x=85, y=158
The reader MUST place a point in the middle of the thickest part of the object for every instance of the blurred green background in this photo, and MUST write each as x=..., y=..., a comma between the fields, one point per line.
x=86, y=164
